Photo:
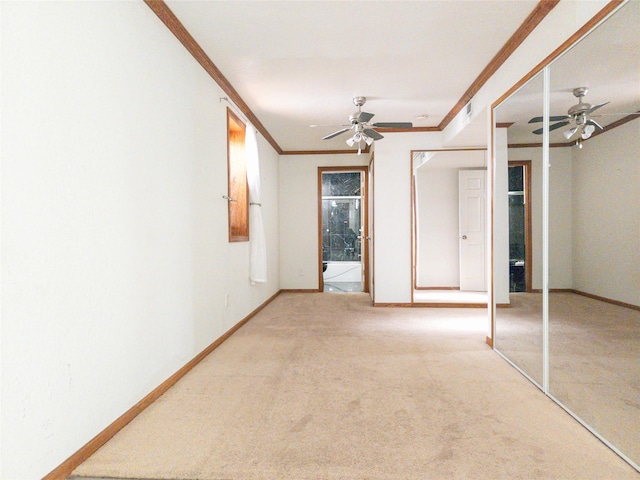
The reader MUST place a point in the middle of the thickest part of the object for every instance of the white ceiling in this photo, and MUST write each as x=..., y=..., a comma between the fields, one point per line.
x=298, y=63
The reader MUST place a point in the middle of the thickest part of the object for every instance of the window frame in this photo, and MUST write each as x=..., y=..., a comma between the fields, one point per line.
x=237, y=184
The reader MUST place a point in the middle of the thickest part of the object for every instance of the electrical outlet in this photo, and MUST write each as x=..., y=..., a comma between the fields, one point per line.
x=301, y=272
x=226, y=300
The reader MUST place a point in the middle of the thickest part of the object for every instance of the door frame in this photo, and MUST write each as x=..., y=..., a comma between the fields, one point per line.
x=528, y=259
x=364, y=171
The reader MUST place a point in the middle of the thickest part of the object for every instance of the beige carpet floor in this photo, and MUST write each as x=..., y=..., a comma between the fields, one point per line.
x=324, y=386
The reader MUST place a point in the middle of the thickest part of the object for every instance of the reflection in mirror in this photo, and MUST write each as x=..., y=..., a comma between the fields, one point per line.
x=449, y=227
x=518, y=210
x=594, y=232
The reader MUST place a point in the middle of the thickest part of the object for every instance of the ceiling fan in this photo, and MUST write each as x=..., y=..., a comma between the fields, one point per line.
x=363, y=130
x=579, y=115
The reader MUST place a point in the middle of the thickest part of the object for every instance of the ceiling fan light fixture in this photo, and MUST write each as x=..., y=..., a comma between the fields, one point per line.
x=569, y=133
x=359, y=137
x=587, y=131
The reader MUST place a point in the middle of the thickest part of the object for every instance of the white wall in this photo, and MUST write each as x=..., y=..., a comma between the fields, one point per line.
x=437, y=226
x=606, y=215
x=298, y=193
x=115, y=259
x=560, y=213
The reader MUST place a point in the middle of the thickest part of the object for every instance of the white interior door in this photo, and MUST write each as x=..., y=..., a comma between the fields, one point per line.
x=472, y=196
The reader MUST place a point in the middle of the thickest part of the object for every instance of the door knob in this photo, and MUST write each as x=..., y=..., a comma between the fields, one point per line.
x=463, y=237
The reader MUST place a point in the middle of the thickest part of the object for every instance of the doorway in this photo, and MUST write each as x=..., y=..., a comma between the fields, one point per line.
x=520, y=226
x=343, y=229
x=448, y=220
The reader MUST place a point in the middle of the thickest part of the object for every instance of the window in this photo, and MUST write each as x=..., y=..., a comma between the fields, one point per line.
x=237, y=174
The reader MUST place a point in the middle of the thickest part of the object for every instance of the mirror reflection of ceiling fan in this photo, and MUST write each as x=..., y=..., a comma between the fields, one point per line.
x=579, y=115
x=363, y=130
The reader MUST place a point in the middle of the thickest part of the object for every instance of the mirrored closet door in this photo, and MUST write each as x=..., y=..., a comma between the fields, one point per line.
x=575, y=331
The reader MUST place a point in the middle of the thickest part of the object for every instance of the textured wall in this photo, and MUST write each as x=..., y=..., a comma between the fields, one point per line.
x=115, y=260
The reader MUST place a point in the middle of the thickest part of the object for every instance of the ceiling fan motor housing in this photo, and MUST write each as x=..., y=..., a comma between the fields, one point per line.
x=579, y=109
x=580, y=91
x=582, y=107
x=359, y=101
